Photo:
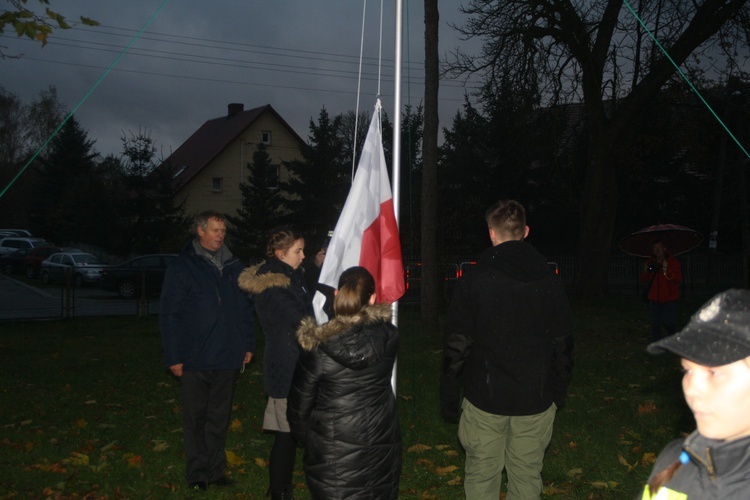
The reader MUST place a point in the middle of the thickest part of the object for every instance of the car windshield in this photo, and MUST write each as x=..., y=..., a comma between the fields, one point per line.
x=86, y=259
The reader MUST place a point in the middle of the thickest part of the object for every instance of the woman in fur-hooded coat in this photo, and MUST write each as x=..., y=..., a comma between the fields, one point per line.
x=342, y=408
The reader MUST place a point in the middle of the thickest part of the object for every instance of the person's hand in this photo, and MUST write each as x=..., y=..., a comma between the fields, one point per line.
x=176, y=370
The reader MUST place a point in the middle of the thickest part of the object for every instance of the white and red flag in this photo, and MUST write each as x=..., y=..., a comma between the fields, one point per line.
x=366, y=233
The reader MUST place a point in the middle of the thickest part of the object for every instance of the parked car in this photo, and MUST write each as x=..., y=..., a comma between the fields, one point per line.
x=85, y=268
x=33, y=262
x=127, y=278
x=10, y=244
x=13, y=262
x=15, y=232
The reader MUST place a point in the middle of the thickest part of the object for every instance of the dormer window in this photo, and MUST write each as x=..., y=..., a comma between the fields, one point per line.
x=179, y=171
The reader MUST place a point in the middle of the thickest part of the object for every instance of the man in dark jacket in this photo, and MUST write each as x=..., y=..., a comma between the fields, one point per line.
x=509, y=340
x=206, y=325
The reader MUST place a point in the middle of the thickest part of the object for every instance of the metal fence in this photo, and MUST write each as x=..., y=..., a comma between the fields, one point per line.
x=22, y=299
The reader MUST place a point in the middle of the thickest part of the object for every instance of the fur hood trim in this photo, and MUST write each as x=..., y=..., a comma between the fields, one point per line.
x=252, y=282
x=310, y=334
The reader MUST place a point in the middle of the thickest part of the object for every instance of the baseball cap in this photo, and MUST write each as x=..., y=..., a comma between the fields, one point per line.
x=717, y=334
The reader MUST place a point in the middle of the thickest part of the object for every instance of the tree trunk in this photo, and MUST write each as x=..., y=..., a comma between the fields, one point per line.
x=429, y=285
x=598, y=215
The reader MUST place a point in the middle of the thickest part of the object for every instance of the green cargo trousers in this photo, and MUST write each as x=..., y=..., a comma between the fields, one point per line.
x=493, y=442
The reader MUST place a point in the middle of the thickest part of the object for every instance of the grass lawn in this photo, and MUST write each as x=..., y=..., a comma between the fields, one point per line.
x=88, y=411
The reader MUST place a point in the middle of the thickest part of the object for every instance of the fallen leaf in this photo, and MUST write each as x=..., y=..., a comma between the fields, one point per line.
x=451, y=453
x=647, y=408
x=81, y=423
x=554, y=490
x=55, y=467
x=441, y=446
x=424, y=462
x=455, y=481
x=77, y=458
x=572, y=445
x=604, y=484
x=624, y=462
x=261, y=462
x=575, y=472
x=99, y=468
x=236, y=425
x=109, y=447
x=648, y=458
x=418, y=448
x=444, y=471
x=234, y=459
x=90, y=402
x=133, y=460
x=159, y=445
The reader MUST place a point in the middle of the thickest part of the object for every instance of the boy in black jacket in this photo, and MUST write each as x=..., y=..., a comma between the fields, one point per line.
x=509, y=344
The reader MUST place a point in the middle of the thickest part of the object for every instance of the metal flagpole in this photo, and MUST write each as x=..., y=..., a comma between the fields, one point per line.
x=396, y=180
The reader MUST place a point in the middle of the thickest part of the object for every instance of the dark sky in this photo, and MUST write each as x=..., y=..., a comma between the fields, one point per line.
x=197, y=56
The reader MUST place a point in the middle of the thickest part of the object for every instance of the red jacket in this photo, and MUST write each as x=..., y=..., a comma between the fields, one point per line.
x=666, y=284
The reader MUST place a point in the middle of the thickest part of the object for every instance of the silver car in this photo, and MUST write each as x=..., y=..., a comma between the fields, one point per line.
x=79, y=267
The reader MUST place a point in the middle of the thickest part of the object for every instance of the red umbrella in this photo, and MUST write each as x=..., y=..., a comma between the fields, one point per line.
x=677, y=239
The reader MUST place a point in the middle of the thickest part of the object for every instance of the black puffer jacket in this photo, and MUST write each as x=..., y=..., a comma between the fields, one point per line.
x=342, y=408
x=281, y=302
x=716, y=470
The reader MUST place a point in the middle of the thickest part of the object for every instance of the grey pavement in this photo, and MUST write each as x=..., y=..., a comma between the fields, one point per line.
x=21, y=301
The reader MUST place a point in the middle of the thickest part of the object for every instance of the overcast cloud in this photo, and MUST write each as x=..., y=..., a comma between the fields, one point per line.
x=197, y=56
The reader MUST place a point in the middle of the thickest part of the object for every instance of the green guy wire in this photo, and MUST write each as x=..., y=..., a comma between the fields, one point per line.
x=684, y=77
x=85, y=97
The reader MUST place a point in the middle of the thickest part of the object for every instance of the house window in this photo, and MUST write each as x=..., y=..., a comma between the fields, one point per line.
x=273, y=176
x=217, y=184
x=265, y=137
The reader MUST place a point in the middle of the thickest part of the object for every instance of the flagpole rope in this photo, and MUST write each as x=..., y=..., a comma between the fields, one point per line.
x=85, y=97
x=684, y=77
x=359, y=86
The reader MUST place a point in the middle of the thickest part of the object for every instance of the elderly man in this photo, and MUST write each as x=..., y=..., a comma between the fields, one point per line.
x=206, y=325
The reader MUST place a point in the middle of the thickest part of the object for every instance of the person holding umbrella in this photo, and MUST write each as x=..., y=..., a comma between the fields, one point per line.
x=663, y=276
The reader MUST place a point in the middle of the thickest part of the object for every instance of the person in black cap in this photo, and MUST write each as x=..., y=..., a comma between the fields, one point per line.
x=713, y=461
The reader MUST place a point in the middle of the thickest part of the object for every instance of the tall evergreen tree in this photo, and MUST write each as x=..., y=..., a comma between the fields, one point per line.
x=317, y=186
x=69, y=201
x=151, y=222
x=261, y=203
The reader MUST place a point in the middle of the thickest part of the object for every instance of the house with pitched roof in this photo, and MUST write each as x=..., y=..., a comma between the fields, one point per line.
x=210, y=165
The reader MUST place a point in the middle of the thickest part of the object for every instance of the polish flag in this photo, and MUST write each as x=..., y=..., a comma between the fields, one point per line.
x=366, y=233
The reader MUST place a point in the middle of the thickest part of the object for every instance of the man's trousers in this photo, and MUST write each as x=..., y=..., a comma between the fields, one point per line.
x=206, y=410
x=493, y=442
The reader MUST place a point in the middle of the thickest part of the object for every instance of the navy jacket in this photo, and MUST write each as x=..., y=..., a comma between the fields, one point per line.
x=206, y=321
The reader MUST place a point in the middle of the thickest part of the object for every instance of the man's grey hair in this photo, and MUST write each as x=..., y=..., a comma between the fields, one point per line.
x=201, y=220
